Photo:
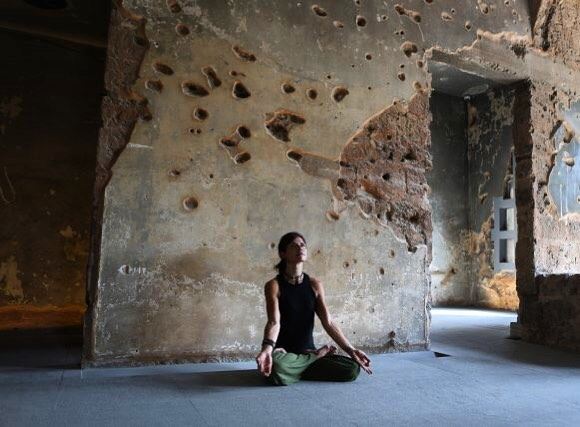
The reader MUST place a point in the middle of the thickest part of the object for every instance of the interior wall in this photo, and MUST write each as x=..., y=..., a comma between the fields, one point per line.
x=450, y=268
x=547, y=183
x=472, y=148
x=337, y=147
x=490, y=148
x=49, y=119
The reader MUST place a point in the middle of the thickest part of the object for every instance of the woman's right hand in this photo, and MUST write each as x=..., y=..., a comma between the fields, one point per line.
x=264, y=361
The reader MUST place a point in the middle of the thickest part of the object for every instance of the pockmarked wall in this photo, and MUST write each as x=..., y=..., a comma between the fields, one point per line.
x=472, y=148
x=227, y=125
x=49, y=121
x=547, y=117
x=490, y=152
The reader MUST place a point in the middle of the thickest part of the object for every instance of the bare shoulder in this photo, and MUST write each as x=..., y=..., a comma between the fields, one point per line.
x=271, y=286
x=316, y=285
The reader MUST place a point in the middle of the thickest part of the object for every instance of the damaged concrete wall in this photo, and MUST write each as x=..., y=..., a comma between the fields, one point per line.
x=221, y=133
x=472, y=149
x=49, y=108
x=450, y=285
x=546, y=155
x=490, y=142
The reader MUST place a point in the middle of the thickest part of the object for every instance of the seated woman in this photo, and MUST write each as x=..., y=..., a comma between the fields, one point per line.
x=288, y=352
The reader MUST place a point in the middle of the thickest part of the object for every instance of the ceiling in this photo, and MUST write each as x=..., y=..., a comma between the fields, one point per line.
x=77, y=21
x=453, y=81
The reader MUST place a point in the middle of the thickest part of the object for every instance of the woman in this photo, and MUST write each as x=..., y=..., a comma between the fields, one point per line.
x=292, y=297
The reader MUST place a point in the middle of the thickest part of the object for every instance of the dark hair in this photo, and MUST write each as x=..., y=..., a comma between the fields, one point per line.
x=285, y=240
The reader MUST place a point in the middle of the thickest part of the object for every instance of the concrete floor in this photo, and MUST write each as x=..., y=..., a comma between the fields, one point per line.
x=486, y=380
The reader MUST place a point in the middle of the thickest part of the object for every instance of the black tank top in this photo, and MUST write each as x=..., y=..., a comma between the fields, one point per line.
x=296, y=304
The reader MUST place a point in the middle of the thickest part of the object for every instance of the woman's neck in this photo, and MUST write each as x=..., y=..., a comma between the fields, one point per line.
x=294, y=271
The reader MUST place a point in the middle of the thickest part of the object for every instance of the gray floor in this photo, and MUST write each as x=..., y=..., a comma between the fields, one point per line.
x=486, y=380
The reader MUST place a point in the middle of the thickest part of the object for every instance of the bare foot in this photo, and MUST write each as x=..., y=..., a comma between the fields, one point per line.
x=324, y=351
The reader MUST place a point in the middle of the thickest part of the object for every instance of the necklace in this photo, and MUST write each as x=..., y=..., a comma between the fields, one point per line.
x=295, y=280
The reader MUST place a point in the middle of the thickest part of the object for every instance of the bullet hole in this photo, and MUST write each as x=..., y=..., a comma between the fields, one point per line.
x=369, y=88
x=357, y=2
x=392, y=253
x=417, y=86
x=200, y=114
x=140, y=41
x=319, y=11
x=401, y=66
x=190, y=203
x=244, y=132
x=212, y=78
x=182, y=29
x=569, y=161
x=341, y=183
x=190, y=88
x=384, y=17
x=125, y=269
x=272, y=245
x=195, y=131
x=243, y=54
x=346, y=264
x=401, y=76
x=312, y=94
x=242, y=157
x=174, y=173
x=229, y=142
x=382, y=271
x=368, y=56
x=235, y=73
x=288, y=88
x=386, y=176
x=279, y=124
x=399, y=32
x=240, y=91
x=146, y=115
x=446, y=17
x=294, y=155
x=467, y=25
x=333, y=216
x=361, y=21
x=339, y=93
x=409, y=48
x=410, y=156
x=173, y=6
x=415, y=16
x=162, y=68
x=211, y=176
x=484, y=8
x=452, y=11
x=420, y=63
x=428, y=1
x=338, y=24
x=154, y=85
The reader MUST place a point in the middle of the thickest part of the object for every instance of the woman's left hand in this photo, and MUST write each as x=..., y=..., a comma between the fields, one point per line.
x=362, y=359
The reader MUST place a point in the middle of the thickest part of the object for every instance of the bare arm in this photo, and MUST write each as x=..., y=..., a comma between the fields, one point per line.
x=272, y=329
x=334, y=331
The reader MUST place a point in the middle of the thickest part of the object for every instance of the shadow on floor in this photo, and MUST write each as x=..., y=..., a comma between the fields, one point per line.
x=53, y=348
x=218, y=379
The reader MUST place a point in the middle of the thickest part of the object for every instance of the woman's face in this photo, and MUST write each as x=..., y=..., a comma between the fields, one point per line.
x=295, y=252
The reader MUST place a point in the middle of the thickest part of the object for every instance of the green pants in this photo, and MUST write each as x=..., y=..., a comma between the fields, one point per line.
x=289, y=368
